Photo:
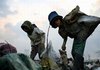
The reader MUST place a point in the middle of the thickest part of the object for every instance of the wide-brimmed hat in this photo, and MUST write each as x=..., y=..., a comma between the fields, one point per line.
x=52, y=17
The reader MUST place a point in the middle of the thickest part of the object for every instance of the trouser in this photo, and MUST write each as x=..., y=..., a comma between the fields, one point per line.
x=77, y=53
x=79, y=43
x=37, y=49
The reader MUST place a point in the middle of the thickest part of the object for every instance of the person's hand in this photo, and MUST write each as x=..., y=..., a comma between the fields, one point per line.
x=62, y=52
x=63, y=47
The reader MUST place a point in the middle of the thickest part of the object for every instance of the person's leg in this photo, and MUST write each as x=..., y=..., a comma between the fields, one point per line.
x=78, y=48
x=41, y=48
x=77, y=53
x=79, y=44
x=88, y=28
x=33, y=52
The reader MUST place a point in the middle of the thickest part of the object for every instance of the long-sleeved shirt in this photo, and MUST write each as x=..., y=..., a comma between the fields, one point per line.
x=37, y=36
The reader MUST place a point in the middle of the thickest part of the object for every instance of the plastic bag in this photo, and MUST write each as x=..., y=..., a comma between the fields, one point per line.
x=49, y=58
x=49, y=52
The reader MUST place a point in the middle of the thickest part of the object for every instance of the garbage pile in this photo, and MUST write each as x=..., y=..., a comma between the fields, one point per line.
x=50, y=60
x=16, y=61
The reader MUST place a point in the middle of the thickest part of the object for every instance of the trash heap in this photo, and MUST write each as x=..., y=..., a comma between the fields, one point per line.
x=12, y=60
x=17, y=61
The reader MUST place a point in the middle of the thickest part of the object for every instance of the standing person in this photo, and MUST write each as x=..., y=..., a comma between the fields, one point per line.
x=36, y=36
x=75, y=25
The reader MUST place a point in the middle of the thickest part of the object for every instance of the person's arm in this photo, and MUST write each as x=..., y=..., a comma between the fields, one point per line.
x=64, y=35
x=64, y=44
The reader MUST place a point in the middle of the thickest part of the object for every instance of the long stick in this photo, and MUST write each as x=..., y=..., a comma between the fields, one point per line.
x=47, y=47
x=47, y=38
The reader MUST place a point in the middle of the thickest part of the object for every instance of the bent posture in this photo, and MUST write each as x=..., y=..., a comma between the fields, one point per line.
x=75, y=25
x=36, y=36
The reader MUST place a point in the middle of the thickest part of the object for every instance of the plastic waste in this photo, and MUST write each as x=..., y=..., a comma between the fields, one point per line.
x=15, y=61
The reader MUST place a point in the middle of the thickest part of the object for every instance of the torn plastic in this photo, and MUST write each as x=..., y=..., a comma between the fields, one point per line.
x=49, y=58
x=49, y=51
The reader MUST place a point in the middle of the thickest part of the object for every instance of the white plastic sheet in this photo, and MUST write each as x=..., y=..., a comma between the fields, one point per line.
x=50, y=52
